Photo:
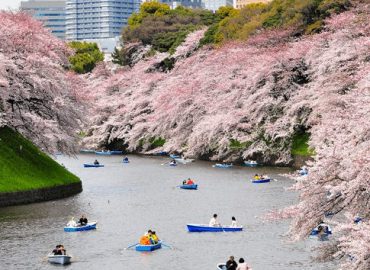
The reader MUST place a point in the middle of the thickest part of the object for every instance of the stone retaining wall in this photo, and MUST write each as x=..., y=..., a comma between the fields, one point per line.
x=39, y=195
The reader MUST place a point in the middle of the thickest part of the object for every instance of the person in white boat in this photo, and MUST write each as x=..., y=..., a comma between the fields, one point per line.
x=214, y=222
x=233, y=223
x=96, y=162
x=59, y=250
x=242, y=265
x=173, y=162
x=72, y=223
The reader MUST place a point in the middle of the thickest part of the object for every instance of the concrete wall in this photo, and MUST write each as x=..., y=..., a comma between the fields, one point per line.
x=39, y=195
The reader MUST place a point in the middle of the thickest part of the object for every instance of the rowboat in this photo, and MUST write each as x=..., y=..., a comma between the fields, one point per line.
x=148, y=248
x=174, y=156
x=261, y=181
x=108, y=153
x=161, y=153
x=91, y=165
x=184, y=160
x=251, y=163
x=327, y=231
x=222, y=165
x=221, y=266
x=59, y=259
x=125, y=161
x=206, y=228
x=87, y=227
x=194, y=186
x=87, y=151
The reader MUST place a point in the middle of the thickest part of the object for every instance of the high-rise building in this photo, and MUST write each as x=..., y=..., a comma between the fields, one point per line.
x=97, y=19
x=50, y=12
x=185, y=3
x=242, y=3
x=216, y=4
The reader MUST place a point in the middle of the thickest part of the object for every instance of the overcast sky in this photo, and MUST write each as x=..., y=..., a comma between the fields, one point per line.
x=6, y=4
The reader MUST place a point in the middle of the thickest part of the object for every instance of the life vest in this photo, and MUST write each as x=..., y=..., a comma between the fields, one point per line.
x=144, y=240
x=190, y=182
x=155, y=238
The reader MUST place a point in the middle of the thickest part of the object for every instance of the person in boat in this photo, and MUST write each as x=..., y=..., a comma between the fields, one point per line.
x=256, y=177
x=189, y=182
x=83, y=221
x=146, y=239
x=242, y=265
x=125, y=159
x=184, y=182
x=231, y=264
x=262, y=177
x=214, y=222
x=322, y=232
x=233, y=222
x=96, y=162
x=59, y=250
x=154, y=238
x=173, y=162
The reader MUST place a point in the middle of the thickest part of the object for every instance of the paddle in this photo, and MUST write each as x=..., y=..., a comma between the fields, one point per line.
x=168, y=246
x=131, y=246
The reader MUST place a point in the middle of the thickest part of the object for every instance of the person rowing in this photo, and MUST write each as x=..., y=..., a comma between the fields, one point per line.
x=96, y=162
x=83, y=221
x=125, y=159
x=214, y=222
x=59, y=250
x=173, y=162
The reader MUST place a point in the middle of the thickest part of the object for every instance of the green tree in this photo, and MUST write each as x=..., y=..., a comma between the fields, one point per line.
x=86, y=56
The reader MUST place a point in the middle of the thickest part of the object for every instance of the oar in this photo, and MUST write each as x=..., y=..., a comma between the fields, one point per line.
x=168, y=246
x=132, y=246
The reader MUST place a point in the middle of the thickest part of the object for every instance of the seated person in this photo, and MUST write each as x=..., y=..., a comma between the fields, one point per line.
x=189, y=182
x=184, y=182
x=214, y=222
x=233, y=222
x=231, y=264
x=154, y=238
x=256, y=177
x=173, y=162
x=59, y=250
x=125, y=159
x=83, y=220
x=96, y=162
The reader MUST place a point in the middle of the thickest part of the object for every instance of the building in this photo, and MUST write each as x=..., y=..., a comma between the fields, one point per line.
x=50, y=12
x=97, y=19
x=216, y=4
x=185, y=3
x=242, y=3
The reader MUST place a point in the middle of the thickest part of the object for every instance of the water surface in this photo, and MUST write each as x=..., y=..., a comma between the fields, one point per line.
x=129, y=199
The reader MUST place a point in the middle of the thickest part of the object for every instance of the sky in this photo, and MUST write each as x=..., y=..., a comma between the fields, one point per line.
x=6, y=4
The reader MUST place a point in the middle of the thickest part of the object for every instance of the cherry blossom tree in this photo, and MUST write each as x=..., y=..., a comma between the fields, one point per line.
x=259, y=93
x=38, y=97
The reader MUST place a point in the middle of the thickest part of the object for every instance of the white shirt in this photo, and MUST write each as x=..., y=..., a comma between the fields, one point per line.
x=233, y=224
x=243, y=266
x=213, y=222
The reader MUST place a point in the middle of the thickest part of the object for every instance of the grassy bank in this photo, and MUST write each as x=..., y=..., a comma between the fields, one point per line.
x=300, y=145
x=24, y=167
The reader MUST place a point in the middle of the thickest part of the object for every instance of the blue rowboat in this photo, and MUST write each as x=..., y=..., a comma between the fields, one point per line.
x=206, y=228
x=174, y=156
x=261, y=181
x=108, y=153
x=221, y=266
x=125, y=161
x=161, y=153
x=91, y=165
x=194, y=186
x=223, y=166
x=148, y=248
x=251, y=163
x=327, y=231
x=89, y=226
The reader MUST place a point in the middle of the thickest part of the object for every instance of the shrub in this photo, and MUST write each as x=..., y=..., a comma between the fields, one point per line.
x=86, y=56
